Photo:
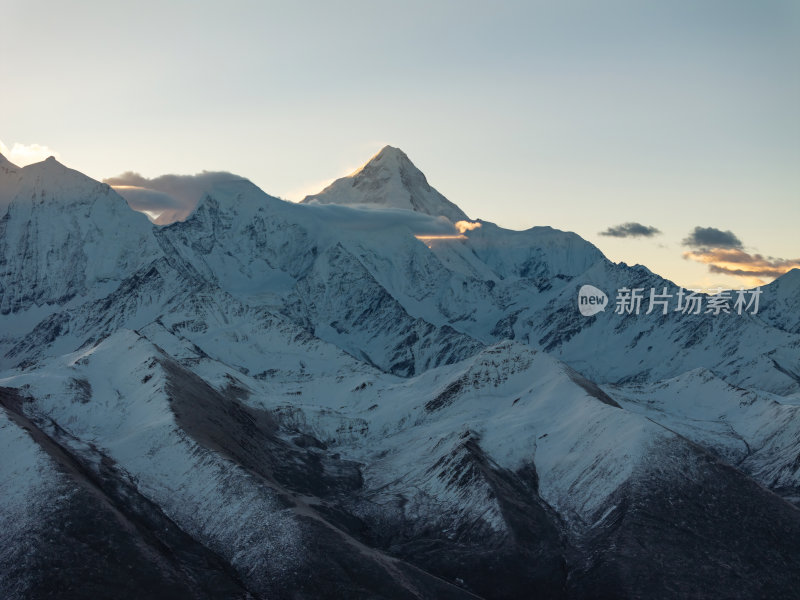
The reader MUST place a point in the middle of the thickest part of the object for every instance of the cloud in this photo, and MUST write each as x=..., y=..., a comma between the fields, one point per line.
x=711, y=237
x=724, y=254
x=464, y=226
x=738, y=263
x=156, y=205
x=26, y=154
x=441, y=222
x=369, y=218
x=168, y=198
x=631, y=229
x=129, y=178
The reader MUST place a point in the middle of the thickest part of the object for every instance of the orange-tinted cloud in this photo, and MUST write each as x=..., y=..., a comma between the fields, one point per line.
x=464, y=226
x=738, y=263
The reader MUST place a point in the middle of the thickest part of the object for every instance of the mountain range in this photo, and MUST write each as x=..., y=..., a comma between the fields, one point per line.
x=370, y=395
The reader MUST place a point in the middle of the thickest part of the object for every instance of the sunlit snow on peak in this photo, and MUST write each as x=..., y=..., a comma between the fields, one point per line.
x=23, y=155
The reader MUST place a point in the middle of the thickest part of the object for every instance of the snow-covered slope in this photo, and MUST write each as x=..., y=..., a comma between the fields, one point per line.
x=217, y=469
x=613, y=348
x=539, y=253
x=781, y=302
x=757, y=432
x=352, y=397
x=389, y=180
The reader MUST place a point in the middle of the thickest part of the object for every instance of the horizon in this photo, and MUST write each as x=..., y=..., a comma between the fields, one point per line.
x=635, y=125
x=182, y=198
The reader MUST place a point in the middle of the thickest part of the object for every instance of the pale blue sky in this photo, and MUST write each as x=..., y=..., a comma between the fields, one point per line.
x=579, y=115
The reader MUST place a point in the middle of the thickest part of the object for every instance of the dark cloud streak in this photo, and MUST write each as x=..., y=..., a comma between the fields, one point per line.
x=711, y=237
x=631, y=229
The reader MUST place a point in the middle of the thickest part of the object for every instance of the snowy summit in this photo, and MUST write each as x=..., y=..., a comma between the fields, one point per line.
x=389, y=180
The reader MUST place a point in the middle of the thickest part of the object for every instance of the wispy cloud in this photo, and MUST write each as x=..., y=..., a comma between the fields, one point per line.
x=711, y=237
x=167, y=198
x=160, y=207
x=26, y=154
x=631, y=229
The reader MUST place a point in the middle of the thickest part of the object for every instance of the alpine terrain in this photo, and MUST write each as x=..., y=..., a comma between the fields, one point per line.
x=370, y=395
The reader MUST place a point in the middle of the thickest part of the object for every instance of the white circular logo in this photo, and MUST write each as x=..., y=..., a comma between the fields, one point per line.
x=591, y=300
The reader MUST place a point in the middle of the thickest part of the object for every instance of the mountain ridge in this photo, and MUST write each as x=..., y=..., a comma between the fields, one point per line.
x=310, y=399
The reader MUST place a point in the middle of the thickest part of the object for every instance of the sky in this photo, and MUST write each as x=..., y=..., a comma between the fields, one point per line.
x=671, y=126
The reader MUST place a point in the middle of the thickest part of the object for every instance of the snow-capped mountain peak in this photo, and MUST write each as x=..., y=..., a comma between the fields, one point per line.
x=390, y=180
x=64, y=235
x=50, y=181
